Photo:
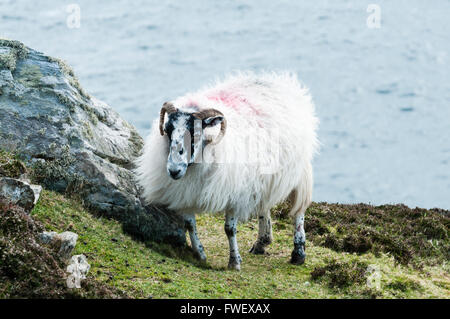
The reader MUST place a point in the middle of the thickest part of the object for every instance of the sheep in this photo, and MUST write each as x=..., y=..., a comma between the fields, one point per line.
x=239, y=146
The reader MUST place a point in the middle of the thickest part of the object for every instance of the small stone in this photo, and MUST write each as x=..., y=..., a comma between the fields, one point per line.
x=47, y=236
x=19, y=193
x=67, y=241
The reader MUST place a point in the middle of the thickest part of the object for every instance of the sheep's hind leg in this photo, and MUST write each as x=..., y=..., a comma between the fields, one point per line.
x=264, y=235
x=191, y=227
x=298, y=254
x=230, y=229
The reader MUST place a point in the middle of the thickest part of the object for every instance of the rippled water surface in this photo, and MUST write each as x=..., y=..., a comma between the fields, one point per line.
x=383, y=95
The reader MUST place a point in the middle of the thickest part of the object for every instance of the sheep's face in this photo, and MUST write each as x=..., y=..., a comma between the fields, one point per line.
x=186, y=140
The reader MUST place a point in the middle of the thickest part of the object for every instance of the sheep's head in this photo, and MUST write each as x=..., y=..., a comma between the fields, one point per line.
x=186, y=138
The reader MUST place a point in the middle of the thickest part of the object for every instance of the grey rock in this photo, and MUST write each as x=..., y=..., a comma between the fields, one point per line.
x=66, y=241
x=47, y=237
x=19, y=192
x=75, y=142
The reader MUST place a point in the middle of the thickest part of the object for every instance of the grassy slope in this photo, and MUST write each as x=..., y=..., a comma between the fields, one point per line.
x=159, y=271
x=382, y=236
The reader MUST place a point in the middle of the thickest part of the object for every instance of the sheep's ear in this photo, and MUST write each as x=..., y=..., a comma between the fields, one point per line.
x=211, y=121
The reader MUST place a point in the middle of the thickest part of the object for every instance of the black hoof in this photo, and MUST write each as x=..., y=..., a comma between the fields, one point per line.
x=235, y=263
x=199, y=256
x=257, y=250
x=234, y=266
x=298, y=259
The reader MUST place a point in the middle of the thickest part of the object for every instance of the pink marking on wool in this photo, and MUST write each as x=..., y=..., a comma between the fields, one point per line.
x=234, y=101
x=191, y=103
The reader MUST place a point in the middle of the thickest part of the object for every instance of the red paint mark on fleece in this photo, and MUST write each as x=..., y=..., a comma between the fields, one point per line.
x=191, y=103
x=236, y=102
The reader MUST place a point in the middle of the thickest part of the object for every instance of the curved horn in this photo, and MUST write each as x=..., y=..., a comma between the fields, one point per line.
x=210, y=113
x=166, y=108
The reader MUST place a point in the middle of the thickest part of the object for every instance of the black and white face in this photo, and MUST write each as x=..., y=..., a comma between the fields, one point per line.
x=186, y=141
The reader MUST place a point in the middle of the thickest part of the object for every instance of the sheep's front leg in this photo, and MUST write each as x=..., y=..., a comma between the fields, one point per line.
x=191, y=227
x=264, y=235
x=298, y=254
x=230, y=230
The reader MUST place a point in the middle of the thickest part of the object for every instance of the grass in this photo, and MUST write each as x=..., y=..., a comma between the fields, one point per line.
x=31, y=270
x=348, y=268
x=158, y=271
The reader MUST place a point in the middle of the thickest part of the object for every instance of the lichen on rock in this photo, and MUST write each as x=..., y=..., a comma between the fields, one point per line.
x=10, y=52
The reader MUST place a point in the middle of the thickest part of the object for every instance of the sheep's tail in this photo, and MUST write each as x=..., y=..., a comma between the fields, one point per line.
x=301, y=195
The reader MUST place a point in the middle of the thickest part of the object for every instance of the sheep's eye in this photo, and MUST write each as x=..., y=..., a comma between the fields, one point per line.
x=181, y=152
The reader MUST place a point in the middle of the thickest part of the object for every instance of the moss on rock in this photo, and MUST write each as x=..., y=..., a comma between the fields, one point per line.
x=30, y=75
x=68, y=71
x=10, y=166
x=17, y=50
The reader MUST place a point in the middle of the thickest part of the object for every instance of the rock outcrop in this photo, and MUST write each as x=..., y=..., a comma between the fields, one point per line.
x=75, y=142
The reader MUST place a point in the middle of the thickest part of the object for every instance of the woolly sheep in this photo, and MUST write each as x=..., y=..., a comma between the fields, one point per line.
x=240, y=147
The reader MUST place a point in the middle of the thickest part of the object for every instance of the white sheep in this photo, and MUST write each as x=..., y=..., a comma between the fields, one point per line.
x=261, y=156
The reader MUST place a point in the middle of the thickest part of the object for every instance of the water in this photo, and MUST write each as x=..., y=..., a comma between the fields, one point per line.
x=383, y=95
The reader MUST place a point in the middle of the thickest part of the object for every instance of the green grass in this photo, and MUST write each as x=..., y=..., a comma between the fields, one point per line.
x=158, y=271
x=408, y=248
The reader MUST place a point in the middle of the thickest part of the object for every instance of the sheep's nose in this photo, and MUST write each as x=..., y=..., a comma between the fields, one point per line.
x=174, y=172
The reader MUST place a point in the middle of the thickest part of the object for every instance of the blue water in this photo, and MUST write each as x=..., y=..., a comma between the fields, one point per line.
x=382, y=95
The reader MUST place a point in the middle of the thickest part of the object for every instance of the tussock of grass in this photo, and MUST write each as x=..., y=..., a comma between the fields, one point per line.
x=341, y=274
x=404, y=284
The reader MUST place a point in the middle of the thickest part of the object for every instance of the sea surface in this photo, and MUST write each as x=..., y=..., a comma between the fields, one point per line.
x=382, y=94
